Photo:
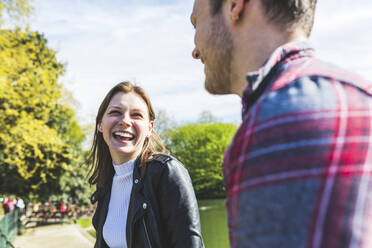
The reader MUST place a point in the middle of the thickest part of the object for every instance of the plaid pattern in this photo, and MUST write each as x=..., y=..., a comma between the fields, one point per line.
x=298, y=171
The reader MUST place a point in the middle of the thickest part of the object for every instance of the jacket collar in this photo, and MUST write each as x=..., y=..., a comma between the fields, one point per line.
x=281, y=54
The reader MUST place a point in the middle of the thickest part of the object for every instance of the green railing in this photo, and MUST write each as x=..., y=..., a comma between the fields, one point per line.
x=8, y=229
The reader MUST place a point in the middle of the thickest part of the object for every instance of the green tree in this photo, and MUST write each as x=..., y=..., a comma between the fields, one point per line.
x=73, y=183
x=41, y=154
x=206, y=116
x=40, y=138
x=15, y=10
x=163, y=124
x=200, y=148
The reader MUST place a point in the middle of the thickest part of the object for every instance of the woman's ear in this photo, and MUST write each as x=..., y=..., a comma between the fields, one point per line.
x=99, y=127
x=151, y=127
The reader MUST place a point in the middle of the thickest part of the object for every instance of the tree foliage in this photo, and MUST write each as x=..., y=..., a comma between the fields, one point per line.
x=163, y=124
x=206, y=116
x=74, y=183
x=15, y=10
x=40, y=139
x=200, y=148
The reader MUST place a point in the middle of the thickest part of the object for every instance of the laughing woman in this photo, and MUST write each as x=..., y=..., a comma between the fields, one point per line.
x=145, y=198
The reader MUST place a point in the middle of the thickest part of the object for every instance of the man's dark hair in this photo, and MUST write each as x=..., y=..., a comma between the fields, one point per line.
x=284, y=13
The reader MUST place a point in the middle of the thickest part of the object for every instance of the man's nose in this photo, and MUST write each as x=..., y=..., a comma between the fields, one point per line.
x=196, y=53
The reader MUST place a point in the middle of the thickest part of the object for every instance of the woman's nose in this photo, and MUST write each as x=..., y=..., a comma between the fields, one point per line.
x=125, y=120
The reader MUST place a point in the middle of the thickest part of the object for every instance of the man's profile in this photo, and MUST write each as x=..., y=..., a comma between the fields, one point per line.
x=298, y=171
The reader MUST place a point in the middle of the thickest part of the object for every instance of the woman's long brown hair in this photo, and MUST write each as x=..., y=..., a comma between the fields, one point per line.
x=99, y=157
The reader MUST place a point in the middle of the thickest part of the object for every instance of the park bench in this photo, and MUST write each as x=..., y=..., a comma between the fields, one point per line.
x=50, y=214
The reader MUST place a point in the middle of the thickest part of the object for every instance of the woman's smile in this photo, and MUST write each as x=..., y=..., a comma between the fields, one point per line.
x=123, y=136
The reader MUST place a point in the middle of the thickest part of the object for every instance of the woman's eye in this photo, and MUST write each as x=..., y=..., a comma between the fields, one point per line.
x=114, y=112
x=137, y=115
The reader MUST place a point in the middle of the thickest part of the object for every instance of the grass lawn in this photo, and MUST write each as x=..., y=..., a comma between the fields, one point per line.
x=92, y=232
x=85, y=223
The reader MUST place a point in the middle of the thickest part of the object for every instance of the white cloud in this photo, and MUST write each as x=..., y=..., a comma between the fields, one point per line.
x=342, y=34
x=150, y=42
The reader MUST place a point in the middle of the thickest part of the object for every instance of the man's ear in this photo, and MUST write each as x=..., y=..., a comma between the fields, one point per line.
x=236, y=8
x=99, y=127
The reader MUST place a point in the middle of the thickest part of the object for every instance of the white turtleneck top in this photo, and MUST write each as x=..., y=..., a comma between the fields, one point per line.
x=114, y=229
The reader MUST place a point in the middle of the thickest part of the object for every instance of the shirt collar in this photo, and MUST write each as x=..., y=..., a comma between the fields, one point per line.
x=124, y=168
x=280, y=54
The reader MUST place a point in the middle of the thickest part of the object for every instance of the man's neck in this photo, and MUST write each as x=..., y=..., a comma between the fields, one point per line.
x=252, y=52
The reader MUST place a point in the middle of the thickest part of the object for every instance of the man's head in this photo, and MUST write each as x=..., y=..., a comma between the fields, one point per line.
x=224, y=28
x=287, y=14
x=214, y=47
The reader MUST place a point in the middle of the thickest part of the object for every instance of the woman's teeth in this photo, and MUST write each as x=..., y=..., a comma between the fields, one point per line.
x=125, y=136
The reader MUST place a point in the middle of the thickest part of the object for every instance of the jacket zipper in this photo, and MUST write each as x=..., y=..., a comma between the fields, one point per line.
x=147, y=234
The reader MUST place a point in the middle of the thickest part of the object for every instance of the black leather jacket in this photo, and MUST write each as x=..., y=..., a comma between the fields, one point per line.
x=163, y=211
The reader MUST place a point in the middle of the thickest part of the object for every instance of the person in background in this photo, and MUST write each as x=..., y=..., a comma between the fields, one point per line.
x=20, y=205
x=9, y=204
x=145, y=198
x=62, y=208
x=298, y=171
x=6, y=205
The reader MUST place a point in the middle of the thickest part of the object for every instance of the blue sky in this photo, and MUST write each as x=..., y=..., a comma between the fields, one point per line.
x=150, y=41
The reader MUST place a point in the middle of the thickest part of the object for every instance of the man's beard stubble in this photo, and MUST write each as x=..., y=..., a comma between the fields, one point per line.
x=218, y=73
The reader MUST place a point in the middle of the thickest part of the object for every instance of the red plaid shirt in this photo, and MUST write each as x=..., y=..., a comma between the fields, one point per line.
x=298, y=171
